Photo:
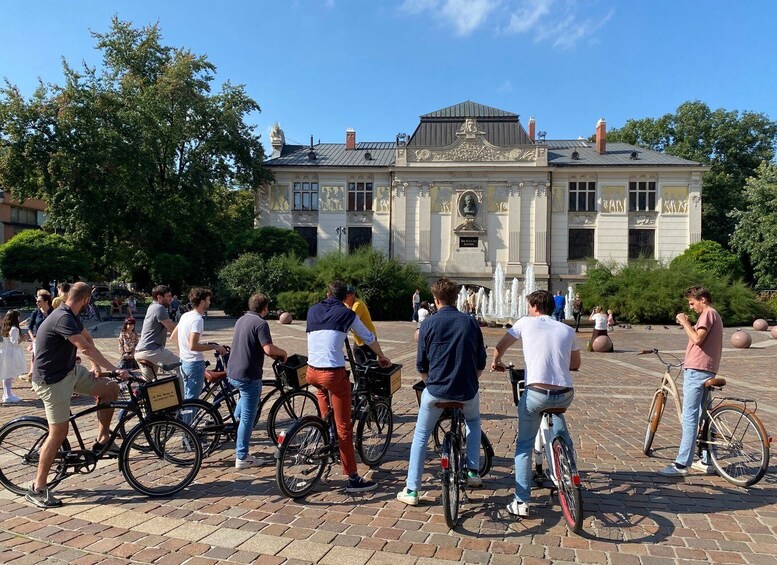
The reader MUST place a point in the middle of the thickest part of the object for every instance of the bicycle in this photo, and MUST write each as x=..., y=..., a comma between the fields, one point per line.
x=307, y=451
x=729, y=432
x=560, y=469
x=91, y=312
x=159, y=456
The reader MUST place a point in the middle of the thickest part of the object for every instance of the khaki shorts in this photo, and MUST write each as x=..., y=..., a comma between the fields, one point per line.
x=56, y=397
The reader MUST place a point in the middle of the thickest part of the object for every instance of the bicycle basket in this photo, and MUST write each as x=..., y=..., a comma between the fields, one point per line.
x=517, y=381
x=161, y=395
x=384, y=382
x=293, y=373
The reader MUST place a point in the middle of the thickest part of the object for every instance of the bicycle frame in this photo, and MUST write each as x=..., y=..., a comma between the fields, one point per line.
x=669, y=387
x=542, y=446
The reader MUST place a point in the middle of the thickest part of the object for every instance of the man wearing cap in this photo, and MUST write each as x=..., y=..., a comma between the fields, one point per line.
x=362, y=350
x=328, y=325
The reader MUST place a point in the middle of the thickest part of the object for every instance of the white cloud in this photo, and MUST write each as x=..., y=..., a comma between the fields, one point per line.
x=464, y=15
x=527, y=16
x=563, y=27
x=506, y=88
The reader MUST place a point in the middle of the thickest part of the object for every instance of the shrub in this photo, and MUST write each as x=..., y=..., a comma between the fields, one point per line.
x=266, y=242
x=298, y=302
x=708, y=256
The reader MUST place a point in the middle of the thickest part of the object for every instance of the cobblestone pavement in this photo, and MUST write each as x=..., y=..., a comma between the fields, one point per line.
x=632, y=514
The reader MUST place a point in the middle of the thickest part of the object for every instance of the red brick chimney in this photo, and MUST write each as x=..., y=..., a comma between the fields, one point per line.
x=532, y=128
x=601, y=136
x=350, y=138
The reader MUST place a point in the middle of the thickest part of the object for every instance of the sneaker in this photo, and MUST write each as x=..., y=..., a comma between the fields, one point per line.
x=359, y=484
x=113, y=449
x=245, y=463
x=409, y=497
x=12, y=399
x=703, y=467
x=474, y=480
x=520, y=509
x=673, y=471
x=42, y=498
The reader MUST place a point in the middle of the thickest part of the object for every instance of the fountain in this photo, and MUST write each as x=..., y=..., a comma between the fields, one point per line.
x=461, y=302
x=568, y=307
x=505, y=305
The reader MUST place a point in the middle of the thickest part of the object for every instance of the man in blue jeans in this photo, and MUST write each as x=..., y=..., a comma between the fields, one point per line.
x=451, y=357
x=550, y=352
x=250, y=343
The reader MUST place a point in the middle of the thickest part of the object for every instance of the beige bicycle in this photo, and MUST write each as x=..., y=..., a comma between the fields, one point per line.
x=729, y=431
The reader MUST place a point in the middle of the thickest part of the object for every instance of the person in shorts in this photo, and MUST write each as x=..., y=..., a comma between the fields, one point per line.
x=153, y=336
x=56, y=376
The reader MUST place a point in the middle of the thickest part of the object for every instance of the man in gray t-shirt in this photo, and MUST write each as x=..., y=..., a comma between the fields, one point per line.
x=156, y=324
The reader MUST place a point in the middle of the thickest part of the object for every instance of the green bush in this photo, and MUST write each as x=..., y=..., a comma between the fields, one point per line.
x=650, y=292
x=298, y=302
x=266, y=242
x=710, y=257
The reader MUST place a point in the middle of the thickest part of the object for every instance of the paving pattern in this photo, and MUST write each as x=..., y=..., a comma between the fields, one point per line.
x=632, y=514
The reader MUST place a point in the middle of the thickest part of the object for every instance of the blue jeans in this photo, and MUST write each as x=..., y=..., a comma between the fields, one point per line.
x=428, y=414
x=193, y=378
x=693, y=399
x=558, y=314
x=530, y=406
x=245, y=413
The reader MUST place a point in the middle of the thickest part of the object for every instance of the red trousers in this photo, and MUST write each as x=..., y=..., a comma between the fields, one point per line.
x=337, y=383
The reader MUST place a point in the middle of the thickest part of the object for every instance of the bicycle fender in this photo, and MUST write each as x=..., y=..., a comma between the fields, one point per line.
x=26, y=419
x=292, y=429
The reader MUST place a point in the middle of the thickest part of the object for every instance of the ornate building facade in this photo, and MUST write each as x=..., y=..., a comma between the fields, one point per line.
x=471, y=187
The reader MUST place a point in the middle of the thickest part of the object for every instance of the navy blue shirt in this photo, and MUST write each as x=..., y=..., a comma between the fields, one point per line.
x=451, y=352
x=246, y=357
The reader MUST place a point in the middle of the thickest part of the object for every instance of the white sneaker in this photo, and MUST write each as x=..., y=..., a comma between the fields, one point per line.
x=673, y=471
x=245, y=463
x=520, y=509
x=474, y=480
x=12, y=399
x=408, y=497
x=703, y=467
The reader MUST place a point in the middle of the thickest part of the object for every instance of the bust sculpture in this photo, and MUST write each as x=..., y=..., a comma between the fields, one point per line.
x=469, y=208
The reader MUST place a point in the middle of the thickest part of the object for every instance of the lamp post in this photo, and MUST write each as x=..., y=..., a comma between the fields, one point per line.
x=340, y=231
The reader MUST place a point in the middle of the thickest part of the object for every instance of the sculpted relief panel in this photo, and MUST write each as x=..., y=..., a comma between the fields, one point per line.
x=279, y=198
x=674, y=200
x=441, y=199
x=613, y=199
x=382, y=200
x=497, y=199
x=559, y=197
x=332, y=199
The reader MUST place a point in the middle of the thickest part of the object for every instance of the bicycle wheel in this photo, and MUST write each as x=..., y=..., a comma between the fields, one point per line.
x=20, y=443
x=302, y=457
x=568, y=484
x=450, y=479
x=738, y=445
x=373, y=434
x=654, y=417
x=205, y=420
x=290, y=407
x=160, y=457
x=443, y=426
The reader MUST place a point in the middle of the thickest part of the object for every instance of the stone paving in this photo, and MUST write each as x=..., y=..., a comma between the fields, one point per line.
x=632, y=514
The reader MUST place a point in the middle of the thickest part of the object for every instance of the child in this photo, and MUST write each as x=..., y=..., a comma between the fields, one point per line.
x=12, y=359
x=610, y=320
x=128, y=341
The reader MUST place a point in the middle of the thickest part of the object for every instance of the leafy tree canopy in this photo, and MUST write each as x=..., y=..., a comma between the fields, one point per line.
x=710, y=257
x=732, y=143
x=34, y=255
x=266, y=242
x=136, y=158
x=756, y=229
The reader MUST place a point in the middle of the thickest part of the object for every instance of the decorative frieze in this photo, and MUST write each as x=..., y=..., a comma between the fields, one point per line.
x=582, y=218
x=332, y=199
x=279, y=197
x=674, y=200
x=382, y=200
x=613, y=199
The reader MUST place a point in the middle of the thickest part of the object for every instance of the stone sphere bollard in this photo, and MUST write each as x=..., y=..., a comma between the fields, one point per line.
x=774, y=332
x=760, y=325
x=285, y=318
x=741, y=339
x=602, y=344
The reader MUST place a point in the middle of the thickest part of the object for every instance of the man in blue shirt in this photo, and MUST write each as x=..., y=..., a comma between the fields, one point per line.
x=451, y=357
x=560, y=302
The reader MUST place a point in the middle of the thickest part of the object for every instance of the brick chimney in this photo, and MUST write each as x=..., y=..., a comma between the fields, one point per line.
x=532, y=128
x=601, y=136
x=350, y=138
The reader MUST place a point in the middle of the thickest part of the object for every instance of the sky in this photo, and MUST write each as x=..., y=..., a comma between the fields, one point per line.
x=318, y=67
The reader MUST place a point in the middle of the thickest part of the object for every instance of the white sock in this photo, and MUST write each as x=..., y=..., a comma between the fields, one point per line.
x=7, y=393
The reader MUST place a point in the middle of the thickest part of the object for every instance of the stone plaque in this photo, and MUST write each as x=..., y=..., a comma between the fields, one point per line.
x=468, y=242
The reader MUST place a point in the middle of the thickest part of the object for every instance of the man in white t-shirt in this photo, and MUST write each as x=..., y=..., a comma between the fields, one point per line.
x=550, y=352
x=190, y=349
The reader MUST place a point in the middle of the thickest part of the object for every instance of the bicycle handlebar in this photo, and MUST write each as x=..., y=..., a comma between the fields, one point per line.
x=655, y=352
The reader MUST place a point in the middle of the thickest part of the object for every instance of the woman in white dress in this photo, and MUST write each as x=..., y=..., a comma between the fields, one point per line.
x=13, y=361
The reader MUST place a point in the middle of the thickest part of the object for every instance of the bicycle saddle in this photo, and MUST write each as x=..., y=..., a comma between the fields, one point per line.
x=214, y=376
x=559, y=410
x=458, y=405
x=714, y=382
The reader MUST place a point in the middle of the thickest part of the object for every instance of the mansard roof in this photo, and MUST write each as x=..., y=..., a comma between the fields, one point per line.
x=469, y=109
x=380, y=153
x=560, y=154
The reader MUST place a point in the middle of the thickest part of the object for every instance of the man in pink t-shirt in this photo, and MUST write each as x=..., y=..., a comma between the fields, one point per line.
x=702, y=361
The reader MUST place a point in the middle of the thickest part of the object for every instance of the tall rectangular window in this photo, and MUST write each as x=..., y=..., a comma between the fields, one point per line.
x=306, y=196
x=359, y=237
x=359, y=196
x=642, y=196
x=310, y=235
x=581, y=244
x=642, y=244
x=582, y=196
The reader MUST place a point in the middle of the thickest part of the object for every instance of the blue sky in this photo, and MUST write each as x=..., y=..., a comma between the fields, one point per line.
x=320, y=66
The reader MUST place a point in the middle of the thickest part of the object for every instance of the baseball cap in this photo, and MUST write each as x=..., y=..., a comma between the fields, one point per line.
x=350, y=289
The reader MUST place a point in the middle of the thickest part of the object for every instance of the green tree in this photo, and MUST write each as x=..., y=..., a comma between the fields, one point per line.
x=732, y=143
x=710, y=257
x=756, y=225
x=135, y=158
x=34, y=255
x=266, y=242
